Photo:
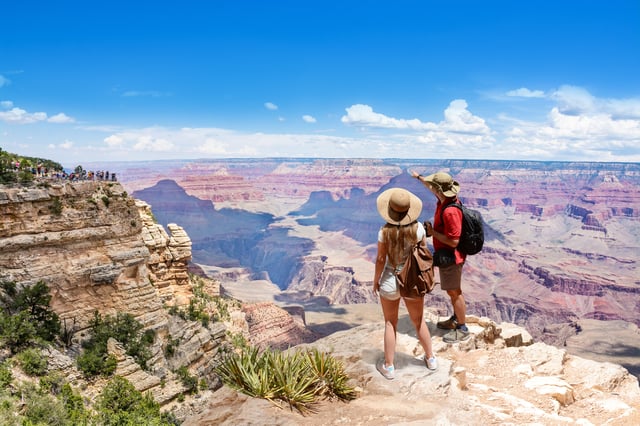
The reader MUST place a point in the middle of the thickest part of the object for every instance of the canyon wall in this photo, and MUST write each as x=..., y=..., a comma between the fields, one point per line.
x=562, y=237
x=99, y=249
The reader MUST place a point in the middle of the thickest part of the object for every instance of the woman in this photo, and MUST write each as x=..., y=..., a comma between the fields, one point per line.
x=400, y=209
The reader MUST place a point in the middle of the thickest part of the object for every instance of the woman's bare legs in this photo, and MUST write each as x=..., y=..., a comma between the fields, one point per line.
x=415, y=307
x=390, y=312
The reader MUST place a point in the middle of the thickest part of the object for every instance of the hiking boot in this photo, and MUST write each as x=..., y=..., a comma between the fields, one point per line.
x=457, y=335
x=449, y=324
x=432, y=363
x=387, y=372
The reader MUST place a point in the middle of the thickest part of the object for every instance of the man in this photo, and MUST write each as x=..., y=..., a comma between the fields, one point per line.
x=446, y=231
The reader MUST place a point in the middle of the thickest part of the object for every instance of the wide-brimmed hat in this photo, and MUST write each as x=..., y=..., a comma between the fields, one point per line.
x=398, y=206
x=443, y=182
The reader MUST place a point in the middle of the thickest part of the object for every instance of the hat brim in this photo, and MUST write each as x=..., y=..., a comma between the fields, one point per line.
x=452, y=192
x=415, y=207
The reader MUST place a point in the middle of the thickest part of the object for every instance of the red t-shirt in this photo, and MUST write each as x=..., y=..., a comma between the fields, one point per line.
x=452, y=227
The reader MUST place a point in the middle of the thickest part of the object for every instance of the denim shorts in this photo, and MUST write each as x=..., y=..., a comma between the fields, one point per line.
x=388, y=286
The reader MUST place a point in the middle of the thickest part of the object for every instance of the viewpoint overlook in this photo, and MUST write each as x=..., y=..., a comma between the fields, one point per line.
x=288, y=245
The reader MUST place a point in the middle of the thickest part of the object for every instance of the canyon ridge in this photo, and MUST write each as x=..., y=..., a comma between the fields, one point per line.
x=100, y=250
x=560, y=257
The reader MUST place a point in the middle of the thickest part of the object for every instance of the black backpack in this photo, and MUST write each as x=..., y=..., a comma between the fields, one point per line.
x=472, y=236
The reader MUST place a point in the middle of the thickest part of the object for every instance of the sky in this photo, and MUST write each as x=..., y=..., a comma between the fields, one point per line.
x=88, y=81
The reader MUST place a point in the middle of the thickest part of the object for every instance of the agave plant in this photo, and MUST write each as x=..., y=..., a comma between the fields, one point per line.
x=297, y=378
x=331, y=380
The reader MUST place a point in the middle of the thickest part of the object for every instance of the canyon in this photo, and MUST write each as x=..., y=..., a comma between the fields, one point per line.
x=560, y=256
x=100, y=249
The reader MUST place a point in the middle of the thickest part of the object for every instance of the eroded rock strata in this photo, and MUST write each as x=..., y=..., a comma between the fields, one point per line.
x=561, y=236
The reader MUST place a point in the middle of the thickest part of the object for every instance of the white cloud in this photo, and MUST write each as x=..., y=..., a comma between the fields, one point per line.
x=60, y=118
x=523, y=92
x=363, y=115
x=574, y=100
x=148, y=140
x=271, y=106
x=4, y=81
x=114, y=140
x=308, y=118
x=623, y=108
x=457, y=119
x=590, y=137
x=20, y=116
x=150, y=143
x=577, y=126
x=67, y=144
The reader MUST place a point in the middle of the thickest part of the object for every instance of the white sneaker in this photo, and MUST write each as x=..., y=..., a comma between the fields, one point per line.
x=432, y=363
x=387, y=372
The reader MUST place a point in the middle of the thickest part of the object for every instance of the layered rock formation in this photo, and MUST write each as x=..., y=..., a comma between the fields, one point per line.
x=497, y=377
x=561, y=237
x=95, y=249
x=272, y=327
x=99, y=250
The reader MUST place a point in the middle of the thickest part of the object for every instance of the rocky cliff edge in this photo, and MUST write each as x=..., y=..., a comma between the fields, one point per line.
x=497, y=377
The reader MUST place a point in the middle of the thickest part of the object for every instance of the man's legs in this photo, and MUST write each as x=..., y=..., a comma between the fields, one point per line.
x=459, y=305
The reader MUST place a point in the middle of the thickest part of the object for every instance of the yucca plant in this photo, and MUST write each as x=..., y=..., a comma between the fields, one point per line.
x=246, y=372
x=297, y=378
x=331, y=379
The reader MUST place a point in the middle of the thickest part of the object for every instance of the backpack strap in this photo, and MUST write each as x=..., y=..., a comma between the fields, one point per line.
x=456, y=203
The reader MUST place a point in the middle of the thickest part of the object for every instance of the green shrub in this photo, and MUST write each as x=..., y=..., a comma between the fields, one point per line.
x=9, y=410
x=121, y=404
x=125, y=329
x=6, y=377
x=56, y=206
x=299, y=378
x=25, y=176
x=17, y=331
x=93, y=362
x=41, y=408
x=238, y=340
x=188, y=381
x=52, y=383
x=73, y=406
x=25, y=315
x=32, y=362
x=171, y=346
x=106, y=200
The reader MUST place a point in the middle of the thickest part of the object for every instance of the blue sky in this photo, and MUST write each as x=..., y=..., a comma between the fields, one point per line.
x=138, y=80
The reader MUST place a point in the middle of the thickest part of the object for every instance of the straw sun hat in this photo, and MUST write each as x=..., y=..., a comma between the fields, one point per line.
x=398, y=206
x=443, y=182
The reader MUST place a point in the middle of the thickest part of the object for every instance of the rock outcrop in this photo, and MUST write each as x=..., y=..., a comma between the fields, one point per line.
x=270, y=326
x=99, y=250
x=497, y=377
x=95, y=248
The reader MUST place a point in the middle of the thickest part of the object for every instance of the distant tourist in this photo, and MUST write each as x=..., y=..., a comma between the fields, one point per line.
x=400, y=209
x=446, y=230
